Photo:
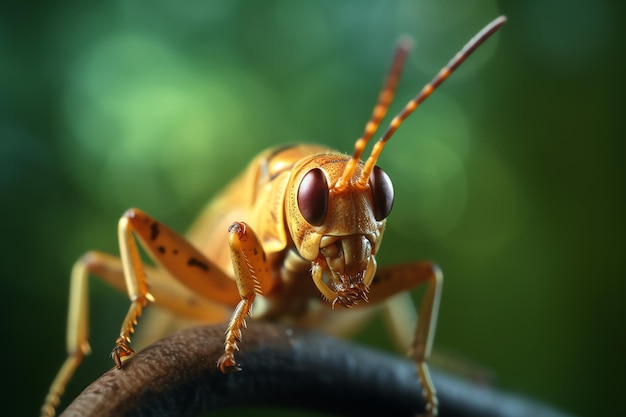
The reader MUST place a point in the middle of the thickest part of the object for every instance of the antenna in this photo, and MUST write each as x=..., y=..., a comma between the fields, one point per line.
x=426, y=91
x=385, y=98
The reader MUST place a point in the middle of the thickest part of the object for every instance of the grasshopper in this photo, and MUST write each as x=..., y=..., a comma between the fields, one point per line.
x=299, y=221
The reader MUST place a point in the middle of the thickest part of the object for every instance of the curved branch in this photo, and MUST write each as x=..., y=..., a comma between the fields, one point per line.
x=281, y=367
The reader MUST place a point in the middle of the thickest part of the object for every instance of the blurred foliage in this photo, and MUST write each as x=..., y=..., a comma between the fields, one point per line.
x=511, y=176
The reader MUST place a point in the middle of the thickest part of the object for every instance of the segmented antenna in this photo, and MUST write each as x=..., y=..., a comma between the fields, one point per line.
x=426, y=91
x=380, y=110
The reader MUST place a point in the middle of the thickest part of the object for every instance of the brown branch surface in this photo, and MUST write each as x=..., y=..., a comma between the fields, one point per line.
x=281, y=367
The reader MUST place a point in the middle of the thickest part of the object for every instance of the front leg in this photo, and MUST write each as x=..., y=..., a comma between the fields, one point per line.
x=177, y=256
x=394, y=279
x=253, y=275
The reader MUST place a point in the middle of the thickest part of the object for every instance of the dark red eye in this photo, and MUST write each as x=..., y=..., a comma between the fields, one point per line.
x=313, y=197
x=382, y=193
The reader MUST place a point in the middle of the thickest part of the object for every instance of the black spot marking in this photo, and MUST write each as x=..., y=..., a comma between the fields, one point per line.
x=154, y=231
x=381, y=277
x=175, y=251
x=264, y=257
x=161, y=249
x=195, y=262
x=256, y=252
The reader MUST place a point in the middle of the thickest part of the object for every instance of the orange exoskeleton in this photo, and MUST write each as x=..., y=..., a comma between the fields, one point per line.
x=297, y=212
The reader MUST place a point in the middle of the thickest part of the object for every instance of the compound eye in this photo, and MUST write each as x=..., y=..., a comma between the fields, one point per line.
x=313, y=197
x=382, y=193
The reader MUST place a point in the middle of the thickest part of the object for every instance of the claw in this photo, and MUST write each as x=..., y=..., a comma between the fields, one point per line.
x=227, y=364
x=121, y=351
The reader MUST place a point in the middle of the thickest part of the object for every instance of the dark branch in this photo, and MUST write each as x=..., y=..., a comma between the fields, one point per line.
x=281, y=367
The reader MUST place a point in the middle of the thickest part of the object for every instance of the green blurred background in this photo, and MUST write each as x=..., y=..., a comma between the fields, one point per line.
x=510, y=177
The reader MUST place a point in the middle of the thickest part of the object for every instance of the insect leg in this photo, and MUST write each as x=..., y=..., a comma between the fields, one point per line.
x=252, y=273
x=391, y=280
x=170, y=295
x=109, y=269
x=77, y=334
x=177, y=256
